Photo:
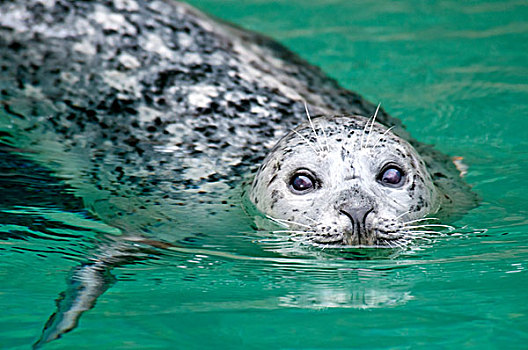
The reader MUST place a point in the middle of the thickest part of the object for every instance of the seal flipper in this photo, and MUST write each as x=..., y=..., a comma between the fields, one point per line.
x=90, y=280
x=86, y=284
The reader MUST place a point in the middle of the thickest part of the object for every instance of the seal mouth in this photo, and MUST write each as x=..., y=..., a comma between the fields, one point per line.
x=339, y=241
x=361, y=237
x=331, y=240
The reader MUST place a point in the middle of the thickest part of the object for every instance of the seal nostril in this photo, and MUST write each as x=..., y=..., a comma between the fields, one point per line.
x=357, y=215
x=358, y=218
x=351, y=217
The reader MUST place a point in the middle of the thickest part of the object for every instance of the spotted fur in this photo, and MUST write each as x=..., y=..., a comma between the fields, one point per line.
x=149, y=107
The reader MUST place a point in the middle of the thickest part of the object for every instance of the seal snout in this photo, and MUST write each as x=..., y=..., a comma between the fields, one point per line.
x=356, y=233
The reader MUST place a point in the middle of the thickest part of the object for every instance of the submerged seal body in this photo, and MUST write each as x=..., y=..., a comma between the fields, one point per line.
x=151, y=110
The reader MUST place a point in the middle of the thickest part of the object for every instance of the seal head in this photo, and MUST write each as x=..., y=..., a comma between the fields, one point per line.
x=345, y=180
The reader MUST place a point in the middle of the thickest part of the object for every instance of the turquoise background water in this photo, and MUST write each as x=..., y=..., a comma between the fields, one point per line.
x=456, y=73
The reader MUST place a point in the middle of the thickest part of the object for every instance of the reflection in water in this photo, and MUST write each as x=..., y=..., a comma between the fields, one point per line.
x=349, y=287
x=364, y=298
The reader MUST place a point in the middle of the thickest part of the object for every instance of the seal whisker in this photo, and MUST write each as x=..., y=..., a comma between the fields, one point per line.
x=328, y=242
x=363, y=134
x=313, y=128
x=402, y=214
x=418, y=220
x=278, y=221
x=412, y=232
x=417, y=237
x=390, y=235
x=383, y=135
x=290, y=231
x=431, y=225
x=285, y=222
x=307, y=141
x=292, y=222
x=423, y=238
x=326, y=139
x=390, y=244
x=372, y=124
x=399, y=245
x=312, y=220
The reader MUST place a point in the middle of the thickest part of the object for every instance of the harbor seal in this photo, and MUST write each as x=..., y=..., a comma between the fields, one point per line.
x=155, y=116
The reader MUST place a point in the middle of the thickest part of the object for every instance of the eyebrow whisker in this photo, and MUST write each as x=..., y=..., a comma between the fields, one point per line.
x=313, y=127
x=372, y=124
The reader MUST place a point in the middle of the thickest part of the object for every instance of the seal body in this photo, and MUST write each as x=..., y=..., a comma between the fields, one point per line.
x=150, y=109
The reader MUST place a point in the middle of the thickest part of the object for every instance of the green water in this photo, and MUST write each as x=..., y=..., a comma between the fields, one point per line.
x=456, y=73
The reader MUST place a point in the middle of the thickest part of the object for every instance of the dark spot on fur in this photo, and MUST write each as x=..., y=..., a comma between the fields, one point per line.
x=8, y=109
x=344, y=153
x=276, y=195
x=272, y=179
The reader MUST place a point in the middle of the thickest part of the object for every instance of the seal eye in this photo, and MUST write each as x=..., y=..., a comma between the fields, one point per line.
x=391, y=176
x=302, y=182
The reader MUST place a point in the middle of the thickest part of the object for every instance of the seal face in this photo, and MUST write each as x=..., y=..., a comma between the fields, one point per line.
x=345, y=180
